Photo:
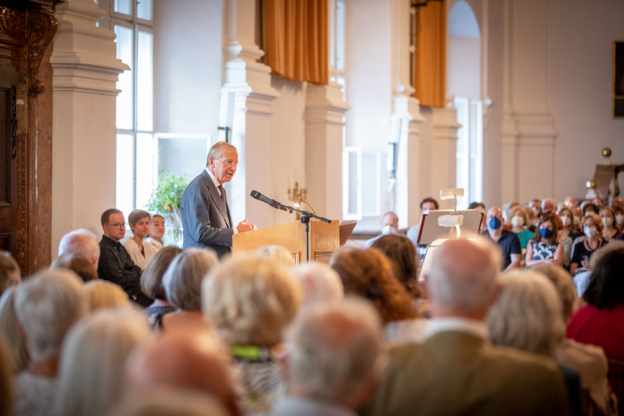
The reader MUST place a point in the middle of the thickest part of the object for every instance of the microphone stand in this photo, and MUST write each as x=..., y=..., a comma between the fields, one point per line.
x=305, y=219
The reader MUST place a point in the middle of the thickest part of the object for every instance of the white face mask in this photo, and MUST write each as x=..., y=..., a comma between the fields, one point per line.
x=566, y=220
x=577, y=219
x=389, y=229
x=568, y=204
x=619, y=219
x=590, y=231
x=607, y=221
x=517, y=221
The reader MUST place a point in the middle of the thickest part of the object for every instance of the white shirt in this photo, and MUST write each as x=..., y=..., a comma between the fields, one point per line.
x=217, y=184
x=34, y=395
x=469, y=326
x=135, y=253
x=157, y=245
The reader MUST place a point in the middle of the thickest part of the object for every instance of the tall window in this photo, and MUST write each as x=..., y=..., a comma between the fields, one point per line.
x=132, y=22
x=469, y=172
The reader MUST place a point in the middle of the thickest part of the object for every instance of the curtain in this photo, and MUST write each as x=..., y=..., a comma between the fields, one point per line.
x=296, y=39
x=430, y=65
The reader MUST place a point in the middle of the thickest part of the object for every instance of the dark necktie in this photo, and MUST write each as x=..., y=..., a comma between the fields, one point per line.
x=222, y=191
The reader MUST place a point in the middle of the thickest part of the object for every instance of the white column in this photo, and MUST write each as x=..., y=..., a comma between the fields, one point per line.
x=444, y=149
x=325, y=120
x=84, y=133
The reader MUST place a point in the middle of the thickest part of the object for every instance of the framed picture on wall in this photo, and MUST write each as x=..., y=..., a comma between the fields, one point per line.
x=618, y=79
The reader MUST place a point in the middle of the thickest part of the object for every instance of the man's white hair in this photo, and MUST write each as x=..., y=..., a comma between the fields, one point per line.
x=81, y=241
x=319, y=282
x=47, y=305
x=335, y=348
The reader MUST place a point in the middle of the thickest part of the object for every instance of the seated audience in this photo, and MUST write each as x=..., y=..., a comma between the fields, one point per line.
x=527, y=316
x=601, y=321
x=78, y=264
x=427, y=205
x=479, y=206
x=165, y=402
x=581, y=280
x=6, y=379
x=10, y=329
x=140, y=252
x=319, y=283
x=156, y=232
x=101, y=294
x=334, y=360
x=182, y=282
x=569, y=201
x=588, y=360
x=151, y=282
x=10, y=273
x=250, y=300
x=507, y=241
x=185, y=361
x=48, y=304
x=91, y=377
x=610, y=231
x=519, y=220
x=278, y=254
x=368, y=274
x=544, y=247
x=456, y=370
x=389, y=225
x=584, y=248
x=403, y=259
x=568, y=234
x=549, y=208
x=619, y=218
x=83, y=242
x=115, y=263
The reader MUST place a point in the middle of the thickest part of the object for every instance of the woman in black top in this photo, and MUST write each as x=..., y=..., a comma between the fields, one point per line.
x=583, y=250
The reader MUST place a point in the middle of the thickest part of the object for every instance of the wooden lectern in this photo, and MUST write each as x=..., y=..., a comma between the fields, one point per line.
x=324, y=239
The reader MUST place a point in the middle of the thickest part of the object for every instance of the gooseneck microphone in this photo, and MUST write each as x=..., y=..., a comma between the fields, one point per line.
x=257, y=195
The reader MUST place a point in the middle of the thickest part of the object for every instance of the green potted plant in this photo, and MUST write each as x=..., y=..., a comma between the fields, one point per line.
x=165, y=200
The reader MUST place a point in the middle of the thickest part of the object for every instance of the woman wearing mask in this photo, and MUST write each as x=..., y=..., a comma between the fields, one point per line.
x=577, y=223
x=544, y=247
x=568, y=234
x=519, y=220
x=609, y=232
x=619, y=217
x=584, y=248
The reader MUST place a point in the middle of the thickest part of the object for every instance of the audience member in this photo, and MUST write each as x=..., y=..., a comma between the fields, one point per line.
x=456, y=371
x=568, y=234
x=404, y=260
x=617, y=202
x=599, y=203
x=527, y=316
x=589, y=208
x=507, y=208
x=581, y=280
x=601, y=322
x=10, y=273
x=427, y=205
x=156, y=232
x=319, y=283
x=569, y=201
x=544, y=247
x=519, y=220
x=250, y=301
x=588, y=360
x=578, y=219
x=507, y=241
x=183, y=284
x=6, y=379
x=585, y=247
x=368, y=274
x=536, y=207
x=47, y=306
x=101, y=294
x=10, y=329
x=549, y=207
x=115, y=263
x=83, y=242
x=78, y=264
x=185, y=361
x=479, y=206
x=389, y=225
x=334, y=361
x=164, y=402
x=610, y=231
x=152, y=285
x=619, y=218
x=140, y=252
x=278, y=254
x=91, y=378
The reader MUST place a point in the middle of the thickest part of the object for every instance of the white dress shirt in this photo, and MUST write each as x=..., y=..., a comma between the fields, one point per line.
x=469, y=326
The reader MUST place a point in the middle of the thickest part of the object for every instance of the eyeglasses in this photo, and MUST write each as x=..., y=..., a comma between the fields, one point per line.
x=229, y=163
x=118, y=224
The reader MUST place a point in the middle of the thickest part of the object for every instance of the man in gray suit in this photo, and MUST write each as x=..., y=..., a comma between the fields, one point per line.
x=205, y=212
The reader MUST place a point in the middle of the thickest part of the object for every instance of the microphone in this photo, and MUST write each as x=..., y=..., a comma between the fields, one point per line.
x=257, y=195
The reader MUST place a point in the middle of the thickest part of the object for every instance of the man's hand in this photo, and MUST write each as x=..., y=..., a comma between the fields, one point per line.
x=243, y=226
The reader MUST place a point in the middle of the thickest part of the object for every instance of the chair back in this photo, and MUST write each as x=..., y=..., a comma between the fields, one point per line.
x=616, y=379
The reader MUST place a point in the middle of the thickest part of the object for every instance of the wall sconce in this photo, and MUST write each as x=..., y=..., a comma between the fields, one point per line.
x=296, y=194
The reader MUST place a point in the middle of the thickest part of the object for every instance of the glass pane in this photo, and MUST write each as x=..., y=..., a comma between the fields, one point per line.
x=352, y=184
x=146, y=168
x=144, y=9
x=182, y=156
x=340, y=35
x=125, y=173
x=125, y=98
x=123, y=6
x=145, y=83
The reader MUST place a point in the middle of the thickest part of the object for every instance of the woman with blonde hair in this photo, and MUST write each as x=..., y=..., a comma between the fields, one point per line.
x=519, y=221
x=101, y=294
x=585, y=247
x=9, y=327
x=141, y=252
x=277, y=253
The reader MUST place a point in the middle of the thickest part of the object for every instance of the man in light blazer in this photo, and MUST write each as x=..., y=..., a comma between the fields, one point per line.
x=205, y=212
x=457, y=371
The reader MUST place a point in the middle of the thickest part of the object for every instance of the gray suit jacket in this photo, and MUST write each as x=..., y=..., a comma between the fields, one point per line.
x=205, y=217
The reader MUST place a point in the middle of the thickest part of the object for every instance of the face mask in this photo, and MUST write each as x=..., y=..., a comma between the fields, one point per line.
x=495, y=223
x=425, y=211
x=619, y=219
x=388, y=229
x=590, y=231
x=536, y=210
x=566, y=220
x=517, y=221
x=546, y=233
x=607, y=221
x=577, y=219
x=568, y=204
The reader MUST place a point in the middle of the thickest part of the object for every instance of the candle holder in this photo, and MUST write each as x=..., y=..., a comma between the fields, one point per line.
x=296, y=193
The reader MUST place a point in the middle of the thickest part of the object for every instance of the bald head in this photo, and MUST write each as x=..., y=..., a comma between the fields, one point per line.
x=463, y=278
x=184, y=360
x=549, y=206
x=81, y=242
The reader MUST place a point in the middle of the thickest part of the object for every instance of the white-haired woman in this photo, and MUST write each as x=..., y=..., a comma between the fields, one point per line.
x=182, y=282
x=9, y=328
x=250, y=301
x=47, y=305
x=528, y=316
x=91, y=377
x=319, y=283
x=278, y=254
